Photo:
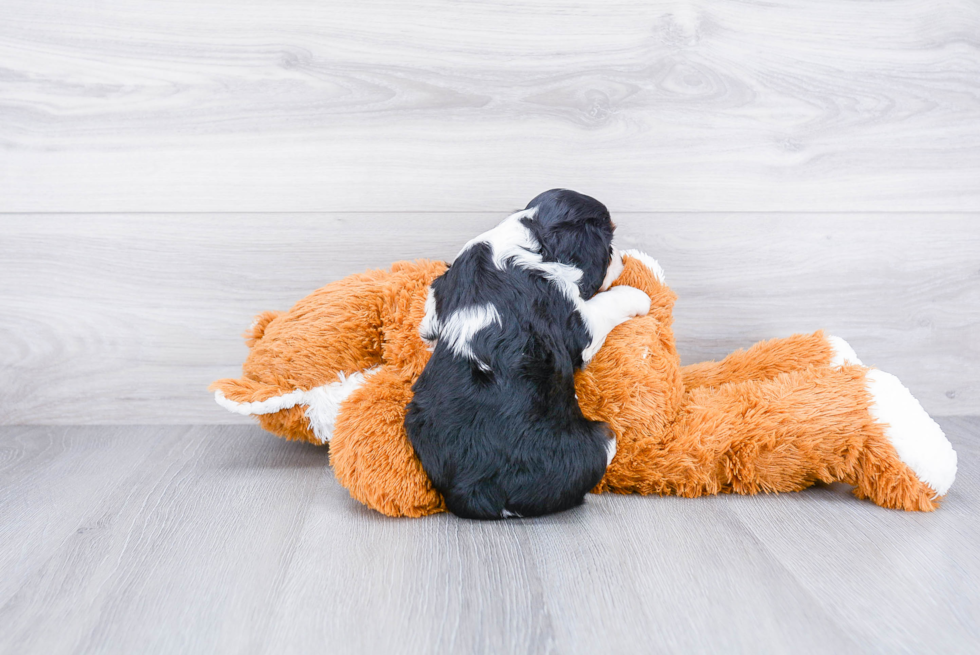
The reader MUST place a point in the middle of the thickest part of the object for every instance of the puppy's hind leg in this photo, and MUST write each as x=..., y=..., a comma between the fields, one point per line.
x=606, y=310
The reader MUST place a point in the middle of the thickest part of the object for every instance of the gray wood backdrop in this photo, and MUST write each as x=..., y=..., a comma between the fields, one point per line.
x=168, y=170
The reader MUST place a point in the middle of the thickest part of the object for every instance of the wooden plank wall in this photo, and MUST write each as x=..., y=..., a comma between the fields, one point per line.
x=127, y=318
x=168, y=170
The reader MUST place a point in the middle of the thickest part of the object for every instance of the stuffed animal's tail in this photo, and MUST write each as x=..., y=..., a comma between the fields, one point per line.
x=251, y=397
x=322, y=404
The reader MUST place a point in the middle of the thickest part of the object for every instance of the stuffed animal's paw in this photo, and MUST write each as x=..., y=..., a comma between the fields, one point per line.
x=918, y=440
x=630, y=301
x=842, y=353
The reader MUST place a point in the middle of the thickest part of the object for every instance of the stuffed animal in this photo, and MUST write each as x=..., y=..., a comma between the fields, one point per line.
x=780, y=416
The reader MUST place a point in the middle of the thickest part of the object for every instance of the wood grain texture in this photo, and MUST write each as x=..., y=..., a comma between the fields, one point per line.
x=127, y=319
x=380, y=105
x=224, y=539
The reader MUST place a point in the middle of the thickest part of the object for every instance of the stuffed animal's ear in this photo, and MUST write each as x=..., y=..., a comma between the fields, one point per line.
x=255, y=333
x=642, y=265
x=642, y=271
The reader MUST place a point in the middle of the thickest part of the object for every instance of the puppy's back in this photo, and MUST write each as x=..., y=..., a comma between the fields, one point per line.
x=494, y=419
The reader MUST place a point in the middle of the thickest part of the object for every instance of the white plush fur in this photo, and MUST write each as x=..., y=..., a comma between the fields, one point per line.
x=843, y=353
x=322, y=403
x=606, y=310
x=269, y=406
x=918, y=440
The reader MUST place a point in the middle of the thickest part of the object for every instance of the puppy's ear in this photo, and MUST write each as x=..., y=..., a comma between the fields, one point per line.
x=574, y=229
x=586, y=246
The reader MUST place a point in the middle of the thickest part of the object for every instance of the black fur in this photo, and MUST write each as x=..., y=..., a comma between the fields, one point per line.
x=503, y=430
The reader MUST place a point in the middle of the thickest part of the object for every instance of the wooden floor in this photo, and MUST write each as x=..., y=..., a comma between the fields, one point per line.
x=224, y=539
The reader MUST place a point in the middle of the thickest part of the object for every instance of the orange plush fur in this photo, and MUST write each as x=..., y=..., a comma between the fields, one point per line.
x=776, y=417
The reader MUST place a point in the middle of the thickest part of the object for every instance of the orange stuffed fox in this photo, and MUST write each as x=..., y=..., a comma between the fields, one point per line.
x=339, y=367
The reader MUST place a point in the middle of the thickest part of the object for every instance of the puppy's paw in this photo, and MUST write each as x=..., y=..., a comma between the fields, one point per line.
x=630, y=301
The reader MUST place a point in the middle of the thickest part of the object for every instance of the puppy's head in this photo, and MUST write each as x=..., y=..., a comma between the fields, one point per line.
x=575, y=229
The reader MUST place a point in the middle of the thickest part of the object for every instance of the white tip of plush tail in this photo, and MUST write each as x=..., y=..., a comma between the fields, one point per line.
x=322, y=403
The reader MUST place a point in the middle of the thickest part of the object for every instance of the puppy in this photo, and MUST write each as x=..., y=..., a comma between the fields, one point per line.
x=494, y=419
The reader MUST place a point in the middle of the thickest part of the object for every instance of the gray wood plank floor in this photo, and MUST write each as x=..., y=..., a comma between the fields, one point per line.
x=667, y=105
x=225, y=539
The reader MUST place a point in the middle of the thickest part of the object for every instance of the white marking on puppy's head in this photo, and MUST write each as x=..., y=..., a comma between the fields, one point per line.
x=509, y=239
x=511, y=242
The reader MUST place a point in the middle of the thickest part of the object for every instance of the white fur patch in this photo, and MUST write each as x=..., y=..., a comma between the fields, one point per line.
x=512, y=242
x=610, y=450
x=649, y=262
x=918, y=440
x=843, y=353
x=463, y=324
x=269, y=406
x=616, y=268
x=322, y=403
x=429, y=327
x=508, y=240
x=608, y=309
x=507, y=514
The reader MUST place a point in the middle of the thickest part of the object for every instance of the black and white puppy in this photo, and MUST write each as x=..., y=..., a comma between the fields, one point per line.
x=494, y=419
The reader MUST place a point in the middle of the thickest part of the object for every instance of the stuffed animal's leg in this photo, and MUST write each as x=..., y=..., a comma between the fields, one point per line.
x=849, y=424
x=767, y=359
x=371, y=454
